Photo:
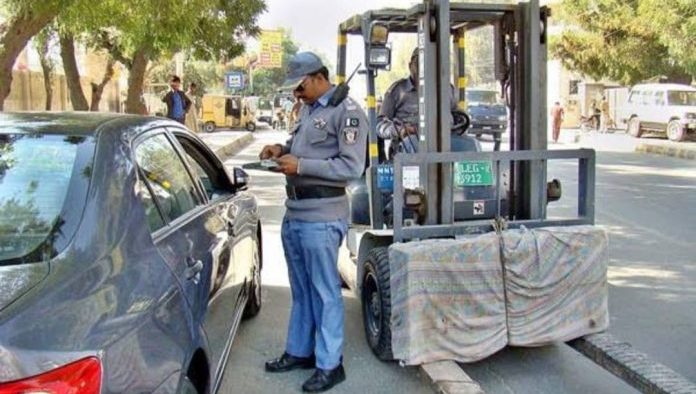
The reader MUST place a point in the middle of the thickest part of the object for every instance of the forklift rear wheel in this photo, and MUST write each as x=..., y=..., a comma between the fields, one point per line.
x=251, y=126
x=376, y=303
x=209, y=127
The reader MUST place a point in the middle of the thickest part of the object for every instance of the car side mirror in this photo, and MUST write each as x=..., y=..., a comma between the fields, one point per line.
x=241, y=179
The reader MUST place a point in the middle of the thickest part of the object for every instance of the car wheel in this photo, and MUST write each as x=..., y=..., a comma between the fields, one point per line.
x=634, y=128
x=209, y=127
x=251, y=126
x=675, y=131
x=253, y=305
x=376, y=303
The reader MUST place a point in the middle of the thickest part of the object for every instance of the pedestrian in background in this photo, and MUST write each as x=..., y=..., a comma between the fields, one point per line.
x=605, y=119
x=326, y=152
x=595, y=114
x=557, y=115
x=177, y=102
x=192, y=113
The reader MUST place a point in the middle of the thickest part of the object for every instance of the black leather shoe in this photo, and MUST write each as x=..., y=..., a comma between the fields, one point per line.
x=324, y=379
x=288, y=362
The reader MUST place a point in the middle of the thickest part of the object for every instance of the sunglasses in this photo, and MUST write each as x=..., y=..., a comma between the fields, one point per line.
x=300, y=88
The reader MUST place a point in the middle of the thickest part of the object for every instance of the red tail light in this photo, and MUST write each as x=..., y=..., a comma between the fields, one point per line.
x=80, y=377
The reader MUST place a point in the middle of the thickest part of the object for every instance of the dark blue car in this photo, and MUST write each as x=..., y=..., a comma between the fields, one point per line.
x=488, y=114
x=128, y=256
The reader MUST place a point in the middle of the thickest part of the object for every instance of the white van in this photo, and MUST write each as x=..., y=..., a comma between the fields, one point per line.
x=668, y=108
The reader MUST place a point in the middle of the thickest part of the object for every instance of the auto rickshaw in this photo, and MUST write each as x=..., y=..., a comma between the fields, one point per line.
x=226, y=111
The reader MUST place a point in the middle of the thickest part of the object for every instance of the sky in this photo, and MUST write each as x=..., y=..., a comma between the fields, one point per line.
x=314, y=25
x=314, y=22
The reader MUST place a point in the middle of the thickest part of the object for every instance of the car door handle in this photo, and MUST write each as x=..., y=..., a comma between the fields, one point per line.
x=193, y=269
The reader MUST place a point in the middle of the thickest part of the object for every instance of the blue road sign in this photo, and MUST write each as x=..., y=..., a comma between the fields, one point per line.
x=234, y=80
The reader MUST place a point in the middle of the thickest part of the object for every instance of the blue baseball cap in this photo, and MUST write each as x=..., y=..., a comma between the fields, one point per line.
x=300, y=65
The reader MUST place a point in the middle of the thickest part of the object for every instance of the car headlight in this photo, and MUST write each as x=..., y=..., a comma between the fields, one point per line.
x=502, y=118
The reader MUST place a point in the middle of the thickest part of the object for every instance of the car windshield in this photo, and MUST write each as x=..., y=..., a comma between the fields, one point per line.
x=481, y=97
x=264, y=104
x=682, y=97
x=35, y=175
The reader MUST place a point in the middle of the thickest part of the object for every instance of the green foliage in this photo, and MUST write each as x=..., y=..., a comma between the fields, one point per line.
x=207, y=75
x=628, y=41
x=211, y=29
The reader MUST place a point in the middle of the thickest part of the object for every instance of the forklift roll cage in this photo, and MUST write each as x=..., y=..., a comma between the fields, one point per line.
x=520, y=69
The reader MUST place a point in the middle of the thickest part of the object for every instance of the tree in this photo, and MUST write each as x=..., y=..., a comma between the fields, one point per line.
x=628, y=41
x=24, y=19
x=43, y=42
x=136, y=32
x=72, y=74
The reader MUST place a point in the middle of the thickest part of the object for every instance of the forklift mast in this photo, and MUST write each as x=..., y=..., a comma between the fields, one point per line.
x=520, y=49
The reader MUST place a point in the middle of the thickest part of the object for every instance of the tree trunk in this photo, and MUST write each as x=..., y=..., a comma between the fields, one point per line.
x=136, y=79
x=72, y=74
x=98, y=89
x=47, y=68
x=14, y=35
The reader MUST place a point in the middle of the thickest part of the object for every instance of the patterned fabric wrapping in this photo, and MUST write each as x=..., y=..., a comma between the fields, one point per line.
x=556, y=283
x=447, y=300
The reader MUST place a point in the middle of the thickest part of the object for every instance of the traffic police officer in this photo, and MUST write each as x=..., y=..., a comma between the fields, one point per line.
x=326, y=150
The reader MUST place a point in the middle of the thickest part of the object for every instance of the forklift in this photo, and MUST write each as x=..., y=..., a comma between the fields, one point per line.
x=443, y=192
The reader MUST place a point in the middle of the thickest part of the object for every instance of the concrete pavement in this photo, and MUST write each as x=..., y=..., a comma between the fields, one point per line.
x=227, y=143
x=619, y=141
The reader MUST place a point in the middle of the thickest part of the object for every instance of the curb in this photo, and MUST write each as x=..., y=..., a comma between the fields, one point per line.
x=228, y=150
x=672, y=151
x=447, y=377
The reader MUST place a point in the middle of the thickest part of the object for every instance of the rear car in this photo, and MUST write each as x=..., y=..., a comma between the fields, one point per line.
x=487, y=112
x=264, y=111
x=661, y=108
x=128, y=256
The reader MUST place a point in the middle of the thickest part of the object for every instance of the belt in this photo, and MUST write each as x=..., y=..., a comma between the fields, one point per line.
x=304, y=192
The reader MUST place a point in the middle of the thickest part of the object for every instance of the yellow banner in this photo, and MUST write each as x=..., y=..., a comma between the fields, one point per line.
x=271, y=53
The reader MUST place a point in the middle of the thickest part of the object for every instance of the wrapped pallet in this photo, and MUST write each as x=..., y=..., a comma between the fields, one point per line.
x=447, y=300
x=555, y=283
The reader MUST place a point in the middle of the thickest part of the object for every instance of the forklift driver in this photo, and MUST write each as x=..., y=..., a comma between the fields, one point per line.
x=398, y=116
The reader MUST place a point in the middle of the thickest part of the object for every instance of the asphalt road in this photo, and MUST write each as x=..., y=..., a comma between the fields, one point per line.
x=645, y=202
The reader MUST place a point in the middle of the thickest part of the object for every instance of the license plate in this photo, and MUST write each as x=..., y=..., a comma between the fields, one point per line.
x=486, y=127
x=473, y=173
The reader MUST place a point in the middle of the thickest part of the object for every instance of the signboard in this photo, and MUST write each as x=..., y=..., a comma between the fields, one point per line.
x=473, y=173
x=234, y=80
x=271, y=53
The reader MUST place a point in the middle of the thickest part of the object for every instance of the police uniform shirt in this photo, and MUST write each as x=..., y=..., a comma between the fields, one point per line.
x=330, y=144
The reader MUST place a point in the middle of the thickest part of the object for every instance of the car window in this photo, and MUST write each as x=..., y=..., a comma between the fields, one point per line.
x=682, y=98
x=37, y=173
x=166, y=177
x=660, y=98
x=213, y=182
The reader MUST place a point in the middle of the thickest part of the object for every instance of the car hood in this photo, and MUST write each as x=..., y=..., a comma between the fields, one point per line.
x=16, y=280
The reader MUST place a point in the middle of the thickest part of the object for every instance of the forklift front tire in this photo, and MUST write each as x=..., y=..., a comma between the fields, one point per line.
x=376, y=303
